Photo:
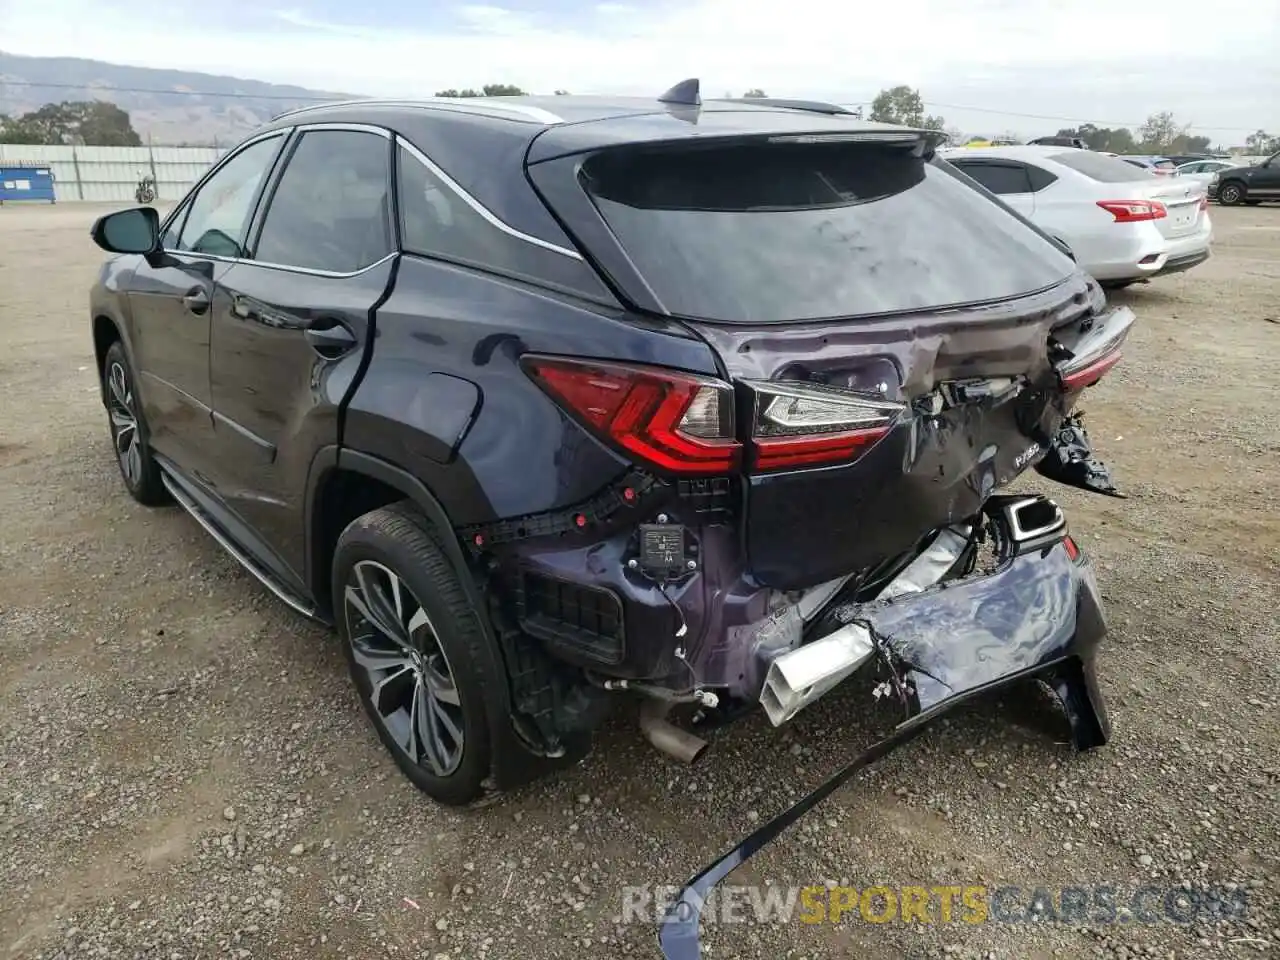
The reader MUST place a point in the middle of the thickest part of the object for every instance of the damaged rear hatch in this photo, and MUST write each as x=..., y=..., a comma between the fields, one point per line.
x=900, y=345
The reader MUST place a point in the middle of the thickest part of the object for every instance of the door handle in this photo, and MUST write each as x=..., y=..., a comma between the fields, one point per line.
x=330, y=341
x=196, y=300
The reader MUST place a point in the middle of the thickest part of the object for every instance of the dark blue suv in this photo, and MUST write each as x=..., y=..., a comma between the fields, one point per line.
x=548, y=402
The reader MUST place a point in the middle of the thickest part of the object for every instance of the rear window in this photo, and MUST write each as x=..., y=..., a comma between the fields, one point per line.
x=767, y=232
x=1099, y=167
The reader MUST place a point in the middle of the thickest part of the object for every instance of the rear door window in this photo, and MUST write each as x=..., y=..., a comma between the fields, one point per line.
x=331, y=209
x=1104, y=169
x=770, y=231
x=999, y=178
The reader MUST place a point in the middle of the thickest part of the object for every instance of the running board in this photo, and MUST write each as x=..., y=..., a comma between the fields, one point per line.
x=188, y=504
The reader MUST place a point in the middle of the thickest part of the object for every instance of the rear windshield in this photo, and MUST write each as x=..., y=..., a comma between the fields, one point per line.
x=767, y=232
x=1098, y=166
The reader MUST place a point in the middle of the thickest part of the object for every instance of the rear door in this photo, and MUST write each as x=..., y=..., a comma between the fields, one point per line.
x=290, y=325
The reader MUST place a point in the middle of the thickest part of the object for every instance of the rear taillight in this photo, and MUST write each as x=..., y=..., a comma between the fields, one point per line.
x=678, y=422
x=801, y=424
x=1095, y=353
x=1134, y=211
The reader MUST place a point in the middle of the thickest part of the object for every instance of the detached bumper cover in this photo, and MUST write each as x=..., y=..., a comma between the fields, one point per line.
x=1038, y=615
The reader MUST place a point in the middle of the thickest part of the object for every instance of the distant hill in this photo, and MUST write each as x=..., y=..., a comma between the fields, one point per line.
x=161, y=103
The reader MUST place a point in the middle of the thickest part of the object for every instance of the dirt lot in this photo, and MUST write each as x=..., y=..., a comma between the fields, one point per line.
x=184, y=770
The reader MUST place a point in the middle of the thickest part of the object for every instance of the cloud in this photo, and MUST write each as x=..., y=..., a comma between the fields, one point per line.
x=1087, y=60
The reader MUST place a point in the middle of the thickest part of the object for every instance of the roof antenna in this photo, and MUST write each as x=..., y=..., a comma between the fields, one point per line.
x=686, y=93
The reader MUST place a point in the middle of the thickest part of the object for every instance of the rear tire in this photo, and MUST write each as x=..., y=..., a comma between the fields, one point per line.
x=1116, y=284
x=129, y=436
x=417, y=652
x=1231, y=193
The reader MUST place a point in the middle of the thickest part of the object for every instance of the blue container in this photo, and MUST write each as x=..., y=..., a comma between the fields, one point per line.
x=26, y=182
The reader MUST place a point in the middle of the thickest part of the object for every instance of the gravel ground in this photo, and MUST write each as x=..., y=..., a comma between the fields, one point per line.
x=184, y=770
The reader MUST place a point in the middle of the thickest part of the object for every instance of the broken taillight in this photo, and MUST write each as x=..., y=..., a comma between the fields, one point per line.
x=1134, y=211
x=678, y=422
x=802, y=424
x=1096, y=352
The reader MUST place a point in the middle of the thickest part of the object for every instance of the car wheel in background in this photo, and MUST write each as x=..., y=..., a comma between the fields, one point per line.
x=1116, y=284
x=1230, y=193
x=138, y=468
x=417, y=653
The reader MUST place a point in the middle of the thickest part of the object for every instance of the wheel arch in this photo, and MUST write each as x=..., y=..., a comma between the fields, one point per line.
x=1238, y=181
x=333, y=473
x=343, y=484
x=106, y=331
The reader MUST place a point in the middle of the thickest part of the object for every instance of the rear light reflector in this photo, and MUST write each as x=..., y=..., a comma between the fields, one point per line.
x=1073, y=551
x=678, y=422
x=1204, y=202
x=802, y=424
x=1134, y=211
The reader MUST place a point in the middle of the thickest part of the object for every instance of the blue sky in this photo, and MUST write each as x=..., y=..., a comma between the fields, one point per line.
x=1215, y=66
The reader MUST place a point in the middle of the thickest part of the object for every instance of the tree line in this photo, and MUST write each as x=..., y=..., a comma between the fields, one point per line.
x=89, y=122
x=99, y=123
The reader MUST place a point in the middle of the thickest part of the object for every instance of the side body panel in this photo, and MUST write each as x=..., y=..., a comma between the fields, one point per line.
x=277, y=399
x=170, y=347
x=444, y=328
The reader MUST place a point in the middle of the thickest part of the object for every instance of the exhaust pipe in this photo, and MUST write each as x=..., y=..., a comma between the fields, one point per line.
x=797, y=678
x=666, y=736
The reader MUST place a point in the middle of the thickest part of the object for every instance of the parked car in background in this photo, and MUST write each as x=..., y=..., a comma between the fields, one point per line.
x=1160, y=166
x=1076, y=142
x=1205, y=170
x=1248, y=184
x=545, y=402
x=1182, y=159
x=1121, y=223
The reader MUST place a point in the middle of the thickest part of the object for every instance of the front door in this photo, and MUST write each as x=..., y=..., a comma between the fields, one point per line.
x=1264, y=183
x=172, y=304
x=289, y=327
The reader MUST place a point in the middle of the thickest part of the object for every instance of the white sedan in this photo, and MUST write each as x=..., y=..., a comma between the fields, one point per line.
x=1120, y=223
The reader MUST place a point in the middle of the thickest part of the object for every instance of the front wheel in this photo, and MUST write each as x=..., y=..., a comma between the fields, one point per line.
x=138, y=468
x=417, y=653
x=1230, y=193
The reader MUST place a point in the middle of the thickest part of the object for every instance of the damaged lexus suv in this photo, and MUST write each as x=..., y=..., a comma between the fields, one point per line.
x=547, y=402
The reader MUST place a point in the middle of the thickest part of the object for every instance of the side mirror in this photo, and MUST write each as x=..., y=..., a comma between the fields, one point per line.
x=128, y=231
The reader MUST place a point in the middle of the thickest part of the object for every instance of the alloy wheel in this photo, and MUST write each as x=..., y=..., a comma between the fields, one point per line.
x=411, y=684
x=124, y=424
x=1229, y=194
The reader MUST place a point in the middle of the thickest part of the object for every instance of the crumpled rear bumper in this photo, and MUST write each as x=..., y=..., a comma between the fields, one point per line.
x=1039, y=614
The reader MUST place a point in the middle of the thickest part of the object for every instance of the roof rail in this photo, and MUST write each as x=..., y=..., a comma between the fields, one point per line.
x=814, y=106
x=473, y=105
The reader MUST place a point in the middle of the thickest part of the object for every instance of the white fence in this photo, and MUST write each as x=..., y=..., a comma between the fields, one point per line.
x=112, y=173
